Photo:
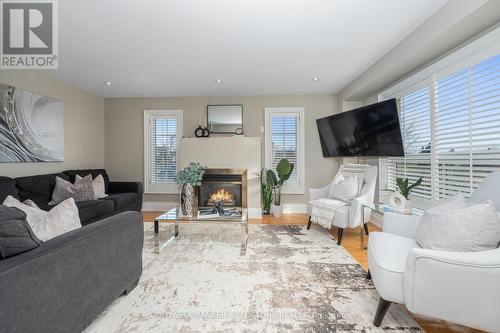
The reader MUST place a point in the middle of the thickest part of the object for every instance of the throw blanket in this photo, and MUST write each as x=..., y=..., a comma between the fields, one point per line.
x=323, y=211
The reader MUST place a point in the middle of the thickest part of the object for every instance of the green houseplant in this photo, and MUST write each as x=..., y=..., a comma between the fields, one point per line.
x=267, y=191
x=284, y=169
x=188, y=178
x=404, y=186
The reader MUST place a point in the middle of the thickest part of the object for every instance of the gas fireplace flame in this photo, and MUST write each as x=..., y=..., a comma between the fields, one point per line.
x=221, y=195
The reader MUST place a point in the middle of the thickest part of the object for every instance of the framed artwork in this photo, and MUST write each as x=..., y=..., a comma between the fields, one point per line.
x=31, y=127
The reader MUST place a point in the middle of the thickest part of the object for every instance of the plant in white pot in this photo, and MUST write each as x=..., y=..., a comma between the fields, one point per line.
x=284, y=169
x=405, y=188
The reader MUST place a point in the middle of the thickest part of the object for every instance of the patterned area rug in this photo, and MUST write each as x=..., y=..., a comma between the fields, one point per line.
x=291, y=280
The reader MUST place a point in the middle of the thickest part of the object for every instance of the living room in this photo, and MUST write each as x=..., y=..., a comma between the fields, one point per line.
x=263, y=166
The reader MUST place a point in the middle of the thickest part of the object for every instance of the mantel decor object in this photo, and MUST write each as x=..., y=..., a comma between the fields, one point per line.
x=201, y=132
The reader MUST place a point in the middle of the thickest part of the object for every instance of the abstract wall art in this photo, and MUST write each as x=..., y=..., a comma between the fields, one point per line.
x=31, y=127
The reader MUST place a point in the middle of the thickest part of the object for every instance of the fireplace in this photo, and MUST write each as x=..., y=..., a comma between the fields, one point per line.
x=224, y=187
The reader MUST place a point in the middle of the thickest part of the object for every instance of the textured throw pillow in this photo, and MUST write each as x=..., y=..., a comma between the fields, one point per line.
x=345, y=189
x=98, y=185
x=81, y=190
x=453, y=227
x=360, y=176
x=46, y=225
x=16, y=235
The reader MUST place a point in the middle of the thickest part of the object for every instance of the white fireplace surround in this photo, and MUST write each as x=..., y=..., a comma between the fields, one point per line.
x=228, y=152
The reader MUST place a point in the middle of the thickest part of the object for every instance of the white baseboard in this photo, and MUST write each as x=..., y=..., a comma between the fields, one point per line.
x=152, y=206
x=377, y=220
x=294, y=208
x=254, y=213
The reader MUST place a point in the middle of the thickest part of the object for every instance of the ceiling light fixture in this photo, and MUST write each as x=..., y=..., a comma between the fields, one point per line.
x=108, y=83
x=218, y=81
x=315, y=78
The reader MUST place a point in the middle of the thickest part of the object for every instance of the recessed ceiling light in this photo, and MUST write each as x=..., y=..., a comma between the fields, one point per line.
x=218, y=81
x=315, y=78
x=108, y=83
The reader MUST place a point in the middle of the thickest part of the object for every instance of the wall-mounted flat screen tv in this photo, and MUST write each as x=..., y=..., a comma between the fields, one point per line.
x=371, y=130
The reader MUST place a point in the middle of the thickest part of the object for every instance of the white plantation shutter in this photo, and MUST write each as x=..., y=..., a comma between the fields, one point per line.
x=454, y=122
x=162, y=132
x=468, y=127
x=415, y=127
x=284, y=139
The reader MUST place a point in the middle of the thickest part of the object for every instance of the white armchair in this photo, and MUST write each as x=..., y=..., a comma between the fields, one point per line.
x=348, y=215
x=460, y=287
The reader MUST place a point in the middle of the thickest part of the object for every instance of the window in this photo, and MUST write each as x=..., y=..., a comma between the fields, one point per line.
x=415, y=127
x=450, y=123
x=162, y=130
x=285, y=139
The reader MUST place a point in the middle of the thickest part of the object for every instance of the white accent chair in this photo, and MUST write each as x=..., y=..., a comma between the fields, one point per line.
x=459, y=287
x=348, y=216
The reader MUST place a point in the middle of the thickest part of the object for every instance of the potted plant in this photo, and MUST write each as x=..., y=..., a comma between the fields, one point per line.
x=188, y=178
x=405, y=189
x=267, y=191
x=284, y=170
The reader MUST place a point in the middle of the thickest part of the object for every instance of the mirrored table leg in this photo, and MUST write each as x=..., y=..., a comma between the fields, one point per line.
x=159, y=246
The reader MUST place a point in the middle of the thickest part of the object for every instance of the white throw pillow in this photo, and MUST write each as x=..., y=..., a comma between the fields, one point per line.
x=46, y=225
x=360, y=176
x=457, y=227
x=98, y=185
x=346, y=189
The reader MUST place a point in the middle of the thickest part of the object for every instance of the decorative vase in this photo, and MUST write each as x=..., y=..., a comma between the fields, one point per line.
x=266, y=210
x=408, y=203
x=277, y=211
x=397, y=201
x=187, y=199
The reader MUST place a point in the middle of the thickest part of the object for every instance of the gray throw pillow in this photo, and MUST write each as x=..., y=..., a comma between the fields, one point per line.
x=81, y=190
x=16, y=235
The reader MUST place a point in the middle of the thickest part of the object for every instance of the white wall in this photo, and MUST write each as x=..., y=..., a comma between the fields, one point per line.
x=83, y=124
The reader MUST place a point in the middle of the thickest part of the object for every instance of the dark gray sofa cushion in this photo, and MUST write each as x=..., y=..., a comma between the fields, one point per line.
x=128, y=187
x=122, y=200
x=90, y=210
x=16, y=235
x=8, y=187
x=94, y=172
x=38, y=188
x=64, y=284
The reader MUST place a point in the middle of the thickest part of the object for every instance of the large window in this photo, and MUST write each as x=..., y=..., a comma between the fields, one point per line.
x=162, y=130
x=450, y=123
x=285, y=139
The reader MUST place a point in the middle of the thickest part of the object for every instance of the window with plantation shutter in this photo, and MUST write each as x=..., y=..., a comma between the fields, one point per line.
x=415, y=127
x=450, y=123
x=285, y=139
x=162, y=130
x=467, y=127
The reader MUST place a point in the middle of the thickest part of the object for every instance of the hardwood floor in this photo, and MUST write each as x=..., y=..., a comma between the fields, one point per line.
x=351, y=241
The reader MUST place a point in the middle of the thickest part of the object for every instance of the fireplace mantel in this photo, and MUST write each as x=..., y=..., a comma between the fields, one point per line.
x=228, y=152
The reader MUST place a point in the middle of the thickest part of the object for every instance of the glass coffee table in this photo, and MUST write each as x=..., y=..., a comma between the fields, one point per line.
x=173, y=216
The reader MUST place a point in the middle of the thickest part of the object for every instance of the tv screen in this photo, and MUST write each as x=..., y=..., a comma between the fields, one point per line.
x=371, y=130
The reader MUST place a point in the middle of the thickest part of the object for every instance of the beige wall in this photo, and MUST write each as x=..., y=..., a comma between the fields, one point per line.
x=124, y=132
x=83, y=124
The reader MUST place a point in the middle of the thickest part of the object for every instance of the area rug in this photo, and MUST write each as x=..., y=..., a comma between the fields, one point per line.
x=291, y=280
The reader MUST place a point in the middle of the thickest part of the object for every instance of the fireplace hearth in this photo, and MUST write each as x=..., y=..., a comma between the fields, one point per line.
x=226, y=188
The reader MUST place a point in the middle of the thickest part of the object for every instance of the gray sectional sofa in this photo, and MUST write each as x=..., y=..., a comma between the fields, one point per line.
x=66, y=282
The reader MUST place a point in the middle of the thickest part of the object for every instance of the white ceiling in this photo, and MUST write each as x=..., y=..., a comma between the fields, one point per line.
x=256, y=47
